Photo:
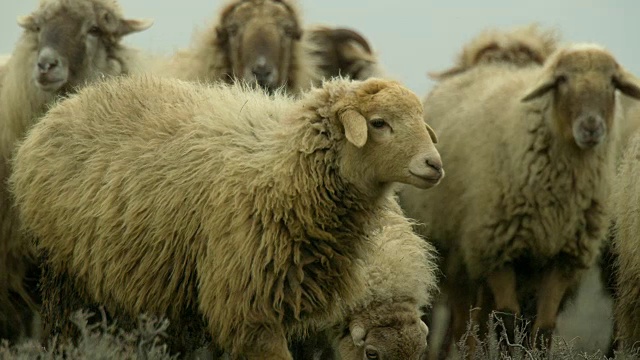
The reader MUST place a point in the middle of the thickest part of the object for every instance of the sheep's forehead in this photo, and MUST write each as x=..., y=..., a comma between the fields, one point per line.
x=398, y=100
x=260, y=10
x=585, y=61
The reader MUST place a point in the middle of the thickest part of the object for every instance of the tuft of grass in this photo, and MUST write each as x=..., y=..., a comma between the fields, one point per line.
x=499, y=347
x=99, y=341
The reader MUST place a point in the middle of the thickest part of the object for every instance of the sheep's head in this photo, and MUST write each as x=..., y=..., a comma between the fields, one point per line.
x=259, y=38
x=75, y=40
x=582, y=80
x=342, y=52
x=387, y=138
x=392, y=333
x=523, y=46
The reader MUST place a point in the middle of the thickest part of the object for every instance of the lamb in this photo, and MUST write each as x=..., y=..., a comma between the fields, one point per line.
x=522, y=46
x=257, y=41
x=65, y=44
x=626, y=205
x=385, y=323
x=251, y=210
x=343, y=52
x=523, y=207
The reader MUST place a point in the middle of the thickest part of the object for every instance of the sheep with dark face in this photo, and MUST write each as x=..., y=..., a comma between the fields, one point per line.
x=65, y=44
x=343, y=52
x=253, y=211
x=256, y=41
x=523, y=207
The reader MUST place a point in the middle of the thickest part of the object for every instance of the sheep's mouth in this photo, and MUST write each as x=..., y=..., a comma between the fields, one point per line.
x=432, y=180
x=46, y=84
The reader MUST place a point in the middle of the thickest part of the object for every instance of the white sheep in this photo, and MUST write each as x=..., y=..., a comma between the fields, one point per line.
x=521, y=46
x=256, y=41
x=164, y=196
x=530, y=153
x=343, y=52
x=626, y=242
x=65, y=44
x=385, y=323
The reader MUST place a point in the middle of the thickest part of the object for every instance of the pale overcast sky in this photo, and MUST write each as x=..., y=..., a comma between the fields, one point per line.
x=411, y=37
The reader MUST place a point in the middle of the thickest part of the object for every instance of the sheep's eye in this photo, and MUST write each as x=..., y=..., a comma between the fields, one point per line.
x=94, y=31
x=36, y=28
x=232, y=30
x=378, y=123
x=561, y=79
x=371, y=354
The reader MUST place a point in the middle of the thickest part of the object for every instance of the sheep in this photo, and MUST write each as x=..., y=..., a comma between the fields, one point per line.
x=625, y=205
x=385, y=322
x=256, y=41
x=522, y=46
x=343, y=52
x=65, y=44
x=523, y=207
x=252, y=210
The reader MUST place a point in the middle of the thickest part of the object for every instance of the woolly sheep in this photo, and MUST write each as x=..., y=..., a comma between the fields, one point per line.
x=257, y=41
x=254, y=210
x=400, y=279
x=65, y=44
x=531, y=158
x=343, y=52
x=626, y=207
x=522, y=46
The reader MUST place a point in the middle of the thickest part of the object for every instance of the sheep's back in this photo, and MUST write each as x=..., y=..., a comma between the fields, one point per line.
x=117, y=181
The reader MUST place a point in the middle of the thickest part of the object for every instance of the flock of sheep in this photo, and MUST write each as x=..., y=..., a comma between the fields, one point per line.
x=272, y=193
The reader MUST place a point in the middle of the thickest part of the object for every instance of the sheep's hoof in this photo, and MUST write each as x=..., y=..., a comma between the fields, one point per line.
x=506, y=324
x=543, y=338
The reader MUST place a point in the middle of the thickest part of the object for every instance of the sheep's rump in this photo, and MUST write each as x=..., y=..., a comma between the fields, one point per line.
x=504, y=198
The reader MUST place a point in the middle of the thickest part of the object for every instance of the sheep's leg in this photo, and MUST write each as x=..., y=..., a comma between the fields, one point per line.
x=553, y=287
x=502, y=284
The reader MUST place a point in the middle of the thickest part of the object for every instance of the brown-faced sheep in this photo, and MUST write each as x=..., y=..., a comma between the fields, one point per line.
x=626, y=242
x=257, y=41
x=343, y=52
x=385, y=323
x=522, y=46
x=254, y=211
x=65, y=44
x=524, y=207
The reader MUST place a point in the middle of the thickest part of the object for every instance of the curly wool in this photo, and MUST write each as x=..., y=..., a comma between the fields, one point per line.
x=626, y=209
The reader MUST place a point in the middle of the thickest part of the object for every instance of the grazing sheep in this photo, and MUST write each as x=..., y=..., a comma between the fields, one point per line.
x=163, y=196
x=520, y=47
x=258, y=41
x=385, y=323
x=523, y=206
x=626, y=208
x=65, y=44
x=343, y=52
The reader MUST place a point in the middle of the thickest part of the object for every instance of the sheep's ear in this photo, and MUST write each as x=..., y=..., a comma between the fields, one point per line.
x=358, y=334
x=355, y=127
x=439, y=76
x=627, y=84
x=129, y=26
x=25, y=21
x=432, y=133
x=546, y=84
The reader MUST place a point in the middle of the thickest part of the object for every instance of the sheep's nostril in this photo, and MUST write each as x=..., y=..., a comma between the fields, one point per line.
x=435, y=164
x=261, y=73
x=45, y=65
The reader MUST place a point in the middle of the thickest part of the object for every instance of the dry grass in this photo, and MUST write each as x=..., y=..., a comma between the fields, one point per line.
x=99, y=341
